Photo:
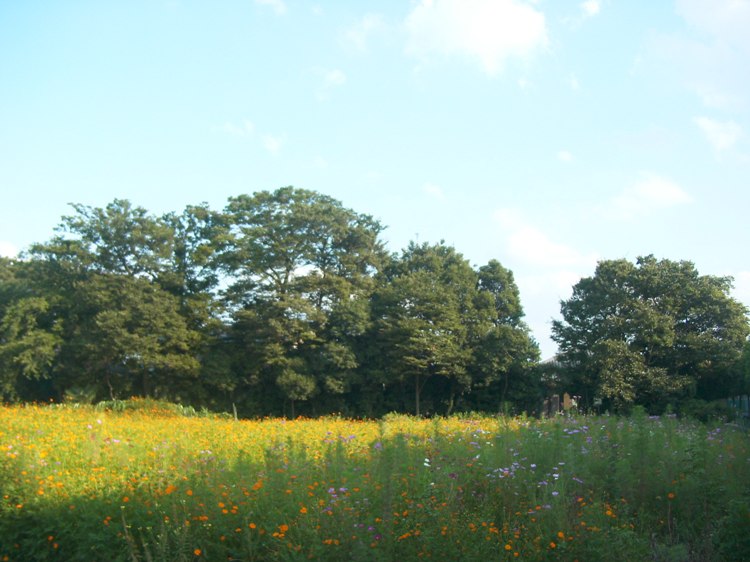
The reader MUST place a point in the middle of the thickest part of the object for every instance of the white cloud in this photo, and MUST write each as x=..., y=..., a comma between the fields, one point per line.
x=564, y=156
x=272, y=143
x=334, y=77
x=649, y=194
x=532, y=246
x=486, y=31
x=330, y=79
x=590, y=8
x=545, y=269
x=244, y=129
x=711, y=57
x=727, y=20
x=721, y=134
x=573, y=83
x=558, y=283
x=434, y=191
x=8, y=250
x=278, y=5
x=358, y=35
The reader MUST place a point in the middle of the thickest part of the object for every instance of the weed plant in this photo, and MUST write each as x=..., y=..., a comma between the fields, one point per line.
x=148, y=483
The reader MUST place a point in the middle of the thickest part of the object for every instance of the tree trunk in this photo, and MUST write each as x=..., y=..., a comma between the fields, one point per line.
x=451, y=402
x=416, y=394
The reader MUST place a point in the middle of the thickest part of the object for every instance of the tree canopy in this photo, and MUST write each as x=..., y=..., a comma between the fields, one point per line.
x=650, y=333
x=286, y=302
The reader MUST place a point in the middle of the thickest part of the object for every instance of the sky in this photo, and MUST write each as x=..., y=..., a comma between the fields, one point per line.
x=546, y=134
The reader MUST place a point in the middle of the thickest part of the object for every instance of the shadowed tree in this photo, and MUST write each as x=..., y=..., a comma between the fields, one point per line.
x=651, y=332
x=303, y=268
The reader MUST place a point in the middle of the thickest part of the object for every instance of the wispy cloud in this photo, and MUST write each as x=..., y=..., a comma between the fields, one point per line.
x=531, y=245
x=650, y=193
x=590, y=8
x=564, y=156
x=243, y=129
x=8, y=250
x=278, y=5
x=434, y=191
x=486, y=31
x=328, y=80
x=273, y=143
x=727, y=20
x=546, y=268
x=246, y=129
x=721, y=134
x=711, y=57
x=587, y=10
x=358, y=36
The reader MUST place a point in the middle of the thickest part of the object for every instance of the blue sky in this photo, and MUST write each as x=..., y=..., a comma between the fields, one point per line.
x=545, y=134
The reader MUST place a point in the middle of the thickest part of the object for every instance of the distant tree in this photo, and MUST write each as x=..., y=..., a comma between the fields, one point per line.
x=651, y=332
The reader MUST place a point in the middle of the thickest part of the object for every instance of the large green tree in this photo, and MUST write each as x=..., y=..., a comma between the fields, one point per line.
x=30, y=334
x=302, y=267
x=445, y=331
x=650, y=333
x=504, y=353
x=108, y=278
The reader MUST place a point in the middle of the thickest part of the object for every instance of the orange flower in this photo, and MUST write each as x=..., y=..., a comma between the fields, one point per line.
x=197, y=552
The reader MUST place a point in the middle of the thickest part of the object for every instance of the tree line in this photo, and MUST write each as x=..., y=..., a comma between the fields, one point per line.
x=287, y=303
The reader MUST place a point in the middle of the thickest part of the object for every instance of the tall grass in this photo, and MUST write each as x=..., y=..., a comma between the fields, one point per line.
x=150, y=484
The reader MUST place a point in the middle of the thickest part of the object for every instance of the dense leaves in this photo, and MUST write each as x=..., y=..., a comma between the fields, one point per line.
x=651, y=333
x=287, y=303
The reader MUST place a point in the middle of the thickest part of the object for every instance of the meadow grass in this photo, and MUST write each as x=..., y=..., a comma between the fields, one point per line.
x=150, y=484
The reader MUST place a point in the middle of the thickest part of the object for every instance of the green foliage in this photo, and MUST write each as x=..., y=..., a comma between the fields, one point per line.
x=651, y=333
x=444, y=329
x=732, y=539
x=286, y=301
x=29, y=343
x=302, y=273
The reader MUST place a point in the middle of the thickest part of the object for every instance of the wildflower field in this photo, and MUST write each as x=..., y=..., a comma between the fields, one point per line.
x=80, y=483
